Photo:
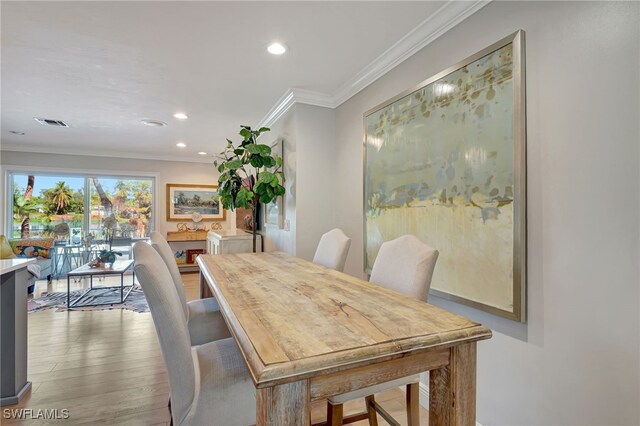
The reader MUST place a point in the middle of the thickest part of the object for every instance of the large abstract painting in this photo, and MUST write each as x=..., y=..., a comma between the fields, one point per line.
x=446, y=162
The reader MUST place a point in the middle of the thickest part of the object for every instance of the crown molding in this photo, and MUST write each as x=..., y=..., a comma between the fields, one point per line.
x=92, y=153
x=446, y=17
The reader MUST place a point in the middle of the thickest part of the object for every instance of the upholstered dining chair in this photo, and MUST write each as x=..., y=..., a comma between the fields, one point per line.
x=210, y=383
x=204, y=320
x=332, y=250
x=405, y=265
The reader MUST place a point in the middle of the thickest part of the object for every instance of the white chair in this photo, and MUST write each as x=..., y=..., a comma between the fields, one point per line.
x=332, y=250
x=210, y=384
x=204, y=320
x=405, y=265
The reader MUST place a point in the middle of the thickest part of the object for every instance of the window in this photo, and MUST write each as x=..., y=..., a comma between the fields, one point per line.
x=40, y=201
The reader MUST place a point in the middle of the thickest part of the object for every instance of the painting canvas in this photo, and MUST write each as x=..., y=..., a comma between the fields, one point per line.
x=184, y=200
x=445, y=162
x=274, y=211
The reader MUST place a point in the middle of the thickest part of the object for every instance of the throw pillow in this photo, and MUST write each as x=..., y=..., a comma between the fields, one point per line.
x=32, y=247
x=6, y=252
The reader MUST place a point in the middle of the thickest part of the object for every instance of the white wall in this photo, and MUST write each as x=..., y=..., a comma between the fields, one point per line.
x=576, y=360
x=285, y=128
x=168, y=172
x=316, y=182
x=308, y=133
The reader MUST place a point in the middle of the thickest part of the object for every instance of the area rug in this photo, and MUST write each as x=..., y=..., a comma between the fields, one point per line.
x=58, y=300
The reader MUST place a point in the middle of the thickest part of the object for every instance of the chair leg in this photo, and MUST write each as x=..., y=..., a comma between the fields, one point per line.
x=413, y=404
x=371, y=410
x=334, y=414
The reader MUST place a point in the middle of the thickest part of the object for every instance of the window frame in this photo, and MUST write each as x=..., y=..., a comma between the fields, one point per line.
x=86, y=174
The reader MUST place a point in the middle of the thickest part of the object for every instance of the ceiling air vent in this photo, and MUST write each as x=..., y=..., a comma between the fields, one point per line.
x=49, y=122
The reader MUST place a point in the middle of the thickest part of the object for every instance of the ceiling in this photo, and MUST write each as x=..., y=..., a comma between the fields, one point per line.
x=103, y=66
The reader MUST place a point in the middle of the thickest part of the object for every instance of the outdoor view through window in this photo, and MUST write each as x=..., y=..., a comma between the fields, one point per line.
x=42, y=201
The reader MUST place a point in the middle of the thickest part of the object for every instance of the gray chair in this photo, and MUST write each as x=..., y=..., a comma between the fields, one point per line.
x=122, y=245
x=332, y=250
x=204, y=320
x=405, y=265
x=210, y=384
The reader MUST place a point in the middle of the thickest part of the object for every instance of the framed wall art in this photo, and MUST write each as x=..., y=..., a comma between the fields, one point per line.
x=274, y=211
x=183, y=200
x=446, y=161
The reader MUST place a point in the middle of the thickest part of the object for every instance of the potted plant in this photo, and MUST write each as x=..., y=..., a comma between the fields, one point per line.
x=110, y=224
x=252, y=163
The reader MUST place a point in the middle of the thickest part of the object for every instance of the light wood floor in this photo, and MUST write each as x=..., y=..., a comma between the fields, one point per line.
x=105, y=367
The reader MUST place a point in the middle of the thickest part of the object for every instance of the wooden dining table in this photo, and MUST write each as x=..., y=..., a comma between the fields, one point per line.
x=308, y=332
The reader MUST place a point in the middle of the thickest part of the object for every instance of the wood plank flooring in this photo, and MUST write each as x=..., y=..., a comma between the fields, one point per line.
x=106, y=368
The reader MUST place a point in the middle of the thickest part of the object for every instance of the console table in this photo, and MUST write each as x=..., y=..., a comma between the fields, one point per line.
x=13, y=332
x=225, y=241
x=187, y=240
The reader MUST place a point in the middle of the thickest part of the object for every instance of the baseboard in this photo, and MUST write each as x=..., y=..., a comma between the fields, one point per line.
x=424, y=397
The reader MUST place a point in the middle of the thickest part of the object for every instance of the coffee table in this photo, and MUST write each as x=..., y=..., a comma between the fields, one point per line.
x=119, y=267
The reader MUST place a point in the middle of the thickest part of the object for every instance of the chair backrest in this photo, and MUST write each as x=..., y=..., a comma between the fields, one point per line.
x=333, y=249
x=171, y=327
x=405, y=265
x=164, y=250
x=121, y=241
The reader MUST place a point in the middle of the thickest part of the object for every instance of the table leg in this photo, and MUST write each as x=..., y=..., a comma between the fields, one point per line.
x=452, y=389
x=284, y=405
x=205, y=291
x=122, y=287
x=68, y=291
x=91, y=281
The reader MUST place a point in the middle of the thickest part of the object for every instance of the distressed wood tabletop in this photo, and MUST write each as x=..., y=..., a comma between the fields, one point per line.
x=294, y=319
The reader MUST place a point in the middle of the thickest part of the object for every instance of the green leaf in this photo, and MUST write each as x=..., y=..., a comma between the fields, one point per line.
x=279, y=190
x=268, y=161
x=256, y=161
x=266, y=177
x=253, y=149
x=233, y=165
x=259, y=149
x=244, y=197
x=279, y=161
x=238, y=151
x=221, y=167
x=246, y=134
x=264, y=129
x=265, y=199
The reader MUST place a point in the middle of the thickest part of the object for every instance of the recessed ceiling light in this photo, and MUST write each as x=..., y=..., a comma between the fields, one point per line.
x=181, y=145
x=276, y=48
x=202, y=153
x=15, y=132
x=153, y=123
x=180, y=115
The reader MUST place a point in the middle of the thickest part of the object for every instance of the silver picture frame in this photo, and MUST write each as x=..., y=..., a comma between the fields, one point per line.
x=517, y=40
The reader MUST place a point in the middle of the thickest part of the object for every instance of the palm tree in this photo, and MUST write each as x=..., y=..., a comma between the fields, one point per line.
x=104, y=199
x=24, y=207
x=61, y=195
x=121, y=195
